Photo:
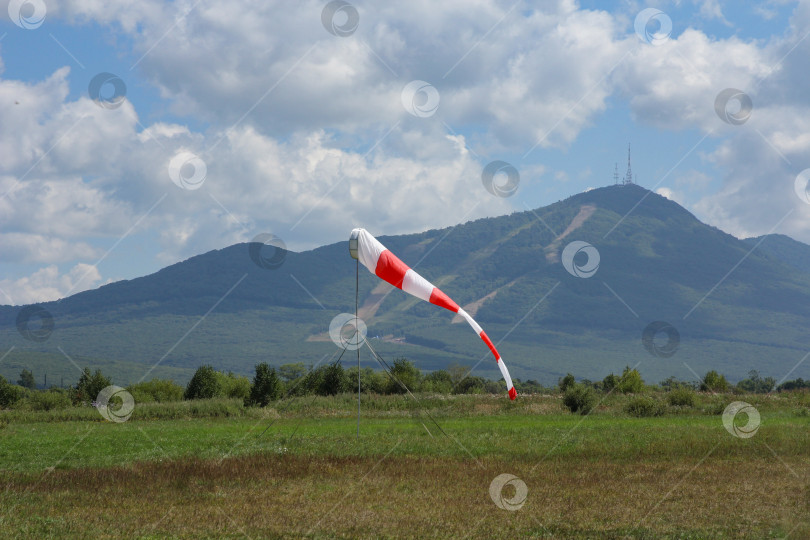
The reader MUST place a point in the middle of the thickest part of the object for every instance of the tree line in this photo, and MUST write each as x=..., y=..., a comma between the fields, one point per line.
x=273, y=383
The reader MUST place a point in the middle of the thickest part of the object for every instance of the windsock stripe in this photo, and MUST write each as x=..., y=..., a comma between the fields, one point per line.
x=417, y=285
x=492, y=348
x=391, y=269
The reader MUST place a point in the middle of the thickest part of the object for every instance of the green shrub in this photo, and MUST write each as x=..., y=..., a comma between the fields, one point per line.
x=89, y=386
x=233, y=386
x=156, y=390
x=47, y=400
x=266, y=387
x=27, y=380
x=204, y=384
x=579, y=398
x=470, y=385
x=406, y=373
x=371, y=381
x=681, y=397
x=334, y=381
x=644, y=406
x=10, y=394
x=566, y=382
x=610, y=382
x=755, y=384
x=714, y=382
x=630, y=382
x=437, y=381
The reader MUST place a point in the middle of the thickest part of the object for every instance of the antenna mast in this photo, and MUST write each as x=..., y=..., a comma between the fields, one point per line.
x=628, y=178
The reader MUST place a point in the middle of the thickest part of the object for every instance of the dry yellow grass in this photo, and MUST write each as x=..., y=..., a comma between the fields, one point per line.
x=269, y=496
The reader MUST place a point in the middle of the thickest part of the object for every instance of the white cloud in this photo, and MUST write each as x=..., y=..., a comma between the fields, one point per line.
x=48, y=284
x=309, y=126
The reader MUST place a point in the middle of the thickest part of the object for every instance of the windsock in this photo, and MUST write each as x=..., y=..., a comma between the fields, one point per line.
x=381, y=262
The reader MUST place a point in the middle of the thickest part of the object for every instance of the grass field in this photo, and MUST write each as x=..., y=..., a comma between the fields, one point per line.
x=208, y=471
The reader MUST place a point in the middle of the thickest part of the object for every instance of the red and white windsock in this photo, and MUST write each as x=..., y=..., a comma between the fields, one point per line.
x=387, y=266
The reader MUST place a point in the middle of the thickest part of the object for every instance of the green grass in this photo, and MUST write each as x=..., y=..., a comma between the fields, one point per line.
x=198, y=473
x=441, y=426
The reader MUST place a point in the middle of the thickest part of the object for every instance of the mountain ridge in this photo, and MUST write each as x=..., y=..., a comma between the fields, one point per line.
x=658, y=262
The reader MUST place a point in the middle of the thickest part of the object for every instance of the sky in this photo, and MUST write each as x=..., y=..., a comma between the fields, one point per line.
x=134, y=135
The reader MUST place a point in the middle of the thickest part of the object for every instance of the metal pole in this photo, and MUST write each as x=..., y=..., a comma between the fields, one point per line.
x=356, y=296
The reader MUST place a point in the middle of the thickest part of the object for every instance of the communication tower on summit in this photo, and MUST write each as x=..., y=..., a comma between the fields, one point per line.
x=628, y=177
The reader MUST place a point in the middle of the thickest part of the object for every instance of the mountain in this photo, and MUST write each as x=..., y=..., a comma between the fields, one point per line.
x=736, y=304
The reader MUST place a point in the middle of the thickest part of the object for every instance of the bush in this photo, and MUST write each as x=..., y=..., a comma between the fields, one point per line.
x=205, y=384
x=470, y=385
x=27, y=380
x=797, y=384
x=233, y=386
x=566, y=382
x=755, y=384
x=156, y=390
x=714, y=382
x=630, y=382
x=47, y=400
x=681, y=397
x=643, y=406
x=610, y=382
x=266, y=387
x=671, y=383
x=334, y=380
x=10, y=394
x=437, y=381
x=89, y=386
x=403, y=371
x=371, y=381
x=579, y=398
